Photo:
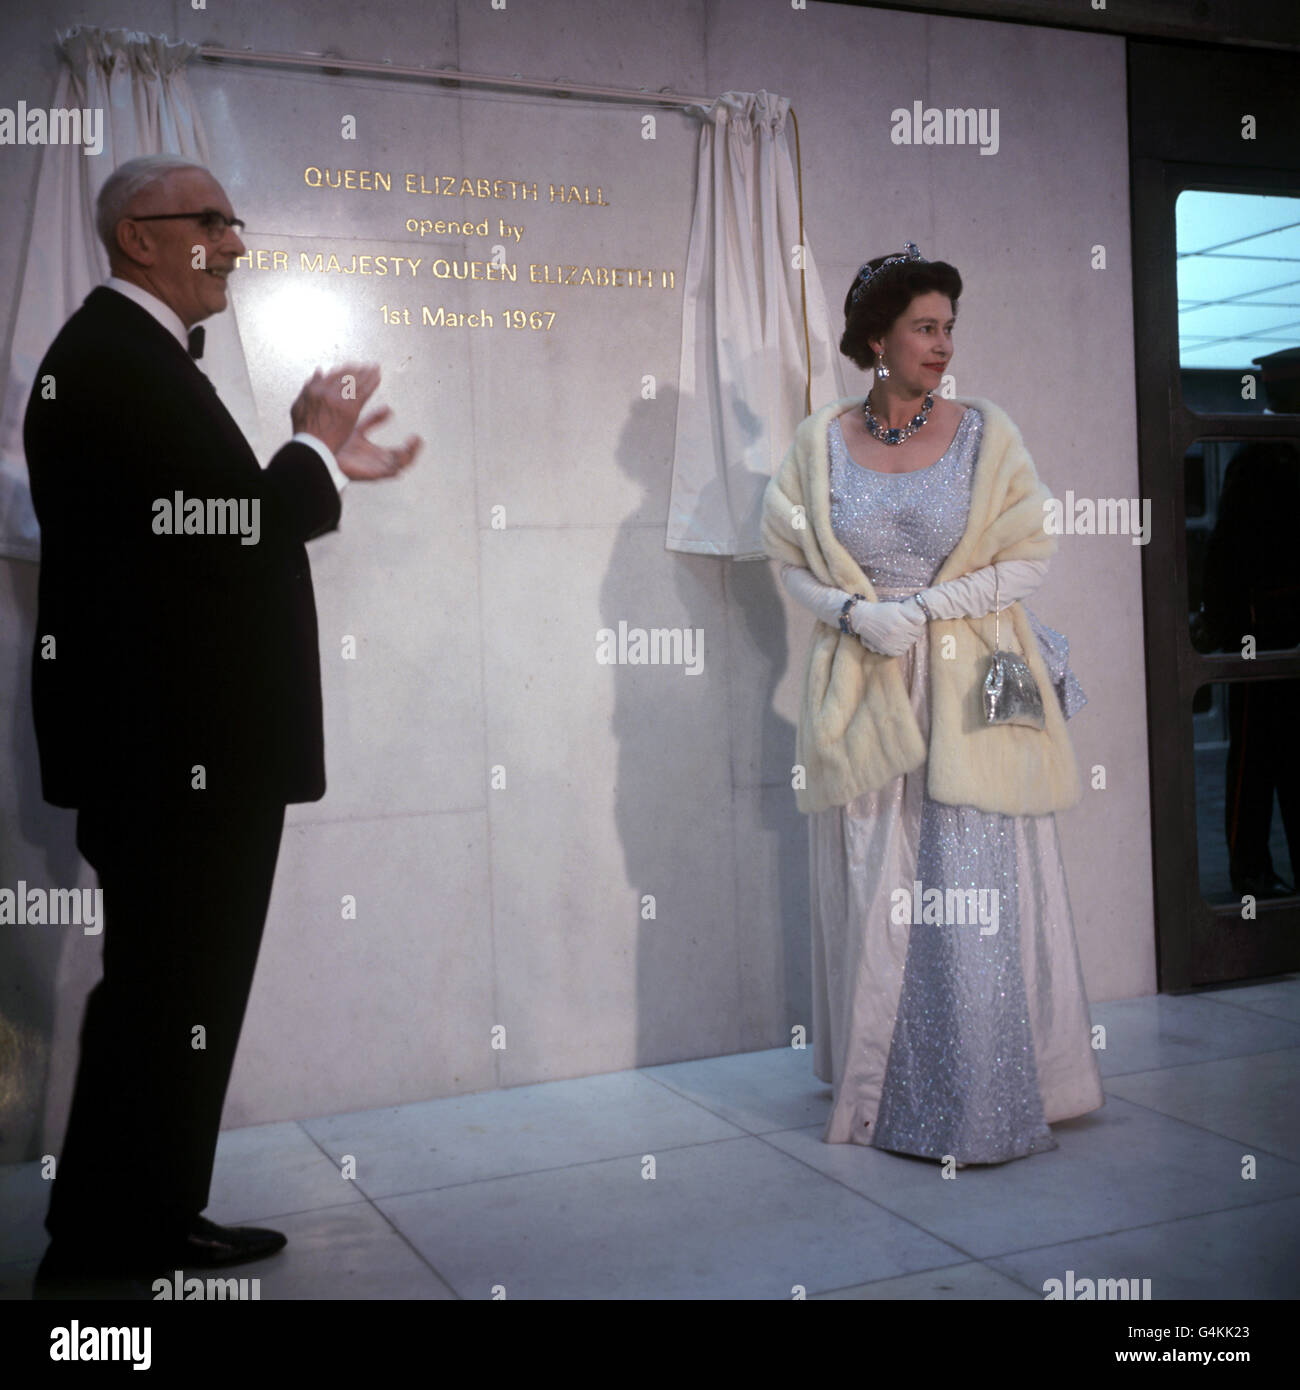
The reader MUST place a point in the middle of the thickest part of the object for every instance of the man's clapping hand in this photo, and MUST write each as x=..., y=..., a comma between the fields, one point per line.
x=364, y=461
x=327, y=409
x=324, y=408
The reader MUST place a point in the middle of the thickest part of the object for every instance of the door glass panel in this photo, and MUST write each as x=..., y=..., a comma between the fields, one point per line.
x=1238, y=301
x=1241, y=504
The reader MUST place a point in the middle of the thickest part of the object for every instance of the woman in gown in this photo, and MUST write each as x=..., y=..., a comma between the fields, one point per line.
x=950, y=1041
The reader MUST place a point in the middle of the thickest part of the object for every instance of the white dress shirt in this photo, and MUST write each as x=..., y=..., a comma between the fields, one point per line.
x=170, y=320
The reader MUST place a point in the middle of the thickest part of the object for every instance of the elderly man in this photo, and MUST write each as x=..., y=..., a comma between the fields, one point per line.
x=176, y=697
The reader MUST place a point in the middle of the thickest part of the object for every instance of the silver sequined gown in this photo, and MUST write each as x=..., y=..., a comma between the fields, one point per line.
x=940, y=1040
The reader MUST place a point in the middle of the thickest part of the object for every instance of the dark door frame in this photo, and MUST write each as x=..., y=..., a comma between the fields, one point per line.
x=1175, y=115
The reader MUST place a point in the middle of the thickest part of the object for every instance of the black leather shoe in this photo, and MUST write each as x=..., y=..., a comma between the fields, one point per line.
x=209, y=1246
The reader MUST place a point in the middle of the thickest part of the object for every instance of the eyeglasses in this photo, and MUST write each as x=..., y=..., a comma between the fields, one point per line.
x=213, y=222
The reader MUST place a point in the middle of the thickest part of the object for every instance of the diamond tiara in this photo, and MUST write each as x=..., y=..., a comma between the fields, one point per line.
x=865, y=273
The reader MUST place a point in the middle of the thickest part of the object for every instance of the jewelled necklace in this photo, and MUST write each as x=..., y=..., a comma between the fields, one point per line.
x=896, y=436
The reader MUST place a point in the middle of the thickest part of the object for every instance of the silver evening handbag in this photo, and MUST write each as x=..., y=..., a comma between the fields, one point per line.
x=1011, y=694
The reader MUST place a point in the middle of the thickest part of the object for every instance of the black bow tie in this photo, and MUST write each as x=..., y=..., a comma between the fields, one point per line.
x=196, y=341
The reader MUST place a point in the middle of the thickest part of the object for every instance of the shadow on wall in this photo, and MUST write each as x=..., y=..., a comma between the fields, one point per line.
x=729, y=616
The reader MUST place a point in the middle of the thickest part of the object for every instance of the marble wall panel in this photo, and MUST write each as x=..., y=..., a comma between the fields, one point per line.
x=520, y=905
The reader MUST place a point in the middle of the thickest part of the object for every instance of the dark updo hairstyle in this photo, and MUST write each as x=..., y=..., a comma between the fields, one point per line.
x=885, y=300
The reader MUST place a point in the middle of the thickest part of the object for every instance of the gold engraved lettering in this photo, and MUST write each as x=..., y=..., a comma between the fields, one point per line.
x=473, y=270
x=601, y=276
x=571, y=193
x=451, y=186
x=450, y=318
x=357, y=264
x=263, y=260
x=363, y=180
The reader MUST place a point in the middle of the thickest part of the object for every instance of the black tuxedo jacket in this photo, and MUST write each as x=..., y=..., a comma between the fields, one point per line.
x=156, y=653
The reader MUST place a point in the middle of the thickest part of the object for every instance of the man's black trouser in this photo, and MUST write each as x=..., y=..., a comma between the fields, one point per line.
x=186, y=890
x=1263, y=756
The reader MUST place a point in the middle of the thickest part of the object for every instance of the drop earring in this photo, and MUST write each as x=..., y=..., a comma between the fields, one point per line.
x=882, y=372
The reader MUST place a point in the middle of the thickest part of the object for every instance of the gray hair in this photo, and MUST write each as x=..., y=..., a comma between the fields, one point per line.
x=122, y=185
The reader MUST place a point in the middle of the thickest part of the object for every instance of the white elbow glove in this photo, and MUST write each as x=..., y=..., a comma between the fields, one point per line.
x=887, y=628
x=972, y=595
x=824, y=601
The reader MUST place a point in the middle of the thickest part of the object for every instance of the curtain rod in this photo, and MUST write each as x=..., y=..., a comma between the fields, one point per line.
x=330, y=64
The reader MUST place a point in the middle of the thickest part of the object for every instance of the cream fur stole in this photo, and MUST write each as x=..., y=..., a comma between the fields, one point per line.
x=856, y=728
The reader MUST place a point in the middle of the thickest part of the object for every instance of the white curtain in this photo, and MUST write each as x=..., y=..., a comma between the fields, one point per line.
x=745, y=367
x=138, y=82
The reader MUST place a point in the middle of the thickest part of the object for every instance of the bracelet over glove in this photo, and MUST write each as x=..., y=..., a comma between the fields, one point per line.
x=887, y=628
x=972, y=596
